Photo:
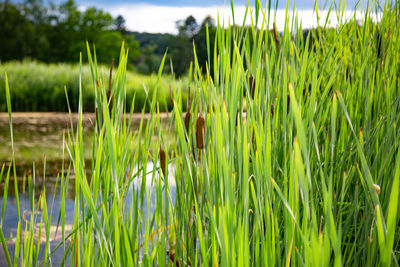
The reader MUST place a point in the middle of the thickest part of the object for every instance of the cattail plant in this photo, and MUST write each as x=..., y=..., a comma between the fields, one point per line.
x=162, y=161
x=304, y=187
x=200, y=128
x=187, y=121
x=252, y=84
x=187, y=115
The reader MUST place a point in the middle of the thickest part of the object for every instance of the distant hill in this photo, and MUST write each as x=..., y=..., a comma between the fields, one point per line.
x=152, y=50
x=159, y=41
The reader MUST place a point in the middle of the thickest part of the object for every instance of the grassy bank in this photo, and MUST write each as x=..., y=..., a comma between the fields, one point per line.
x=41, y=87
x=309, y=175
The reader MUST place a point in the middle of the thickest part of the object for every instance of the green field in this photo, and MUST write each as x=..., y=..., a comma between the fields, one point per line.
x=288, y=156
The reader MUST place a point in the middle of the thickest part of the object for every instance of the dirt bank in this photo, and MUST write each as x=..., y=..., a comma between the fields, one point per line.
x=59, y=119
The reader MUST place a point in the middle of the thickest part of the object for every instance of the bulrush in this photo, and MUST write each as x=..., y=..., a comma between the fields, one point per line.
x=187, y=116
x=187, y=121
x=200, y=127
x=162, y=161
x=252, y=84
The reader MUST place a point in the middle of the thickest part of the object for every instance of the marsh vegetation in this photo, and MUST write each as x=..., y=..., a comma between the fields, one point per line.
x=288, y=154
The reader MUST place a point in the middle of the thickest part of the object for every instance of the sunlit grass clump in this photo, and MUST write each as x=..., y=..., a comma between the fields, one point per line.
x=308, y=174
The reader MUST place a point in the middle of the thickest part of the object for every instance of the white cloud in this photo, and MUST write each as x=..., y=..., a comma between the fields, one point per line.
x=162, y=19
x=153, y=18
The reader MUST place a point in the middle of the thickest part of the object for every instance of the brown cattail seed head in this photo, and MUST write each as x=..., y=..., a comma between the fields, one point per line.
x=200, y=127
x=187, y=121
x=162, y=161
x=252, y=84
x=377, y=188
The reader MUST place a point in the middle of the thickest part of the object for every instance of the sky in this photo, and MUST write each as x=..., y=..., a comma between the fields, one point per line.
x=160, y=16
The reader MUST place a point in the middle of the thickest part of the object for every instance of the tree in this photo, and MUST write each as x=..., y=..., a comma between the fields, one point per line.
x=37, y=14
x=58, y=33
x=200, y=40
x=108, y=46
x=188, y=27
x=64, y=35
x=119, y=24
x=16, y=33
x=149, y=59
x=182, y=45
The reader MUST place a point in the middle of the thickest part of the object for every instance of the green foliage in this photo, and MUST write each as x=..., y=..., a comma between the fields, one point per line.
x=16, y=33
x=58, y=33
x=160, y=41
x=108, y=44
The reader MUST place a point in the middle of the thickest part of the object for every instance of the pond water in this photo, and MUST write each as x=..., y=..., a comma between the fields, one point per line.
x=34, y=138
x=53, y=199
x=10, y=221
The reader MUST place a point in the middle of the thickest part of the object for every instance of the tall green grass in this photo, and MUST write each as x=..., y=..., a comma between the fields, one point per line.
x=40, y=87
x=308, y=175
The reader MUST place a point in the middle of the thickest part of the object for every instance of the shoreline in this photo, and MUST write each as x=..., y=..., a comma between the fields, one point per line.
x=62, y=119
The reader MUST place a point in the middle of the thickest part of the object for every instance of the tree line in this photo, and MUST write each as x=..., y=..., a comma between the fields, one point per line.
x=58, y=33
